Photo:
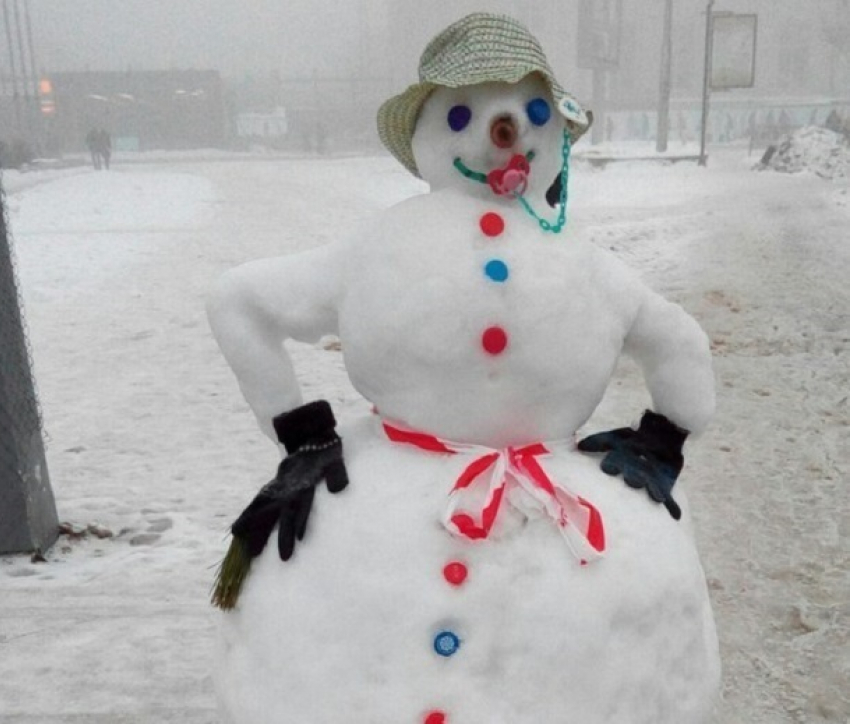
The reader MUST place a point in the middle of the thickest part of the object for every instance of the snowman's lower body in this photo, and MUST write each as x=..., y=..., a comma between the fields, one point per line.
x=344, y=632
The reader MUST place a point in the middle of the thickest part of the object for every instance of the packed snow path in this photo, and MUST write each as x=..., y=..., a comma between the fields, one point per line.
x=149, y=437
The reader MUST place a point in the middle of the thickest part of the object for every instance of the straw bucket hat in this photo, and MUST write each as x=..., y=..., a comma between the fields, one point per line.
x=478, y=48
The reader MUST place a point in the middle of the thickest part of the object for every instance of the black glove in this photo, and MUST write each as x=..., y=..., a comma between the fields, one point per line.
x=649, y=457
x=314, y=454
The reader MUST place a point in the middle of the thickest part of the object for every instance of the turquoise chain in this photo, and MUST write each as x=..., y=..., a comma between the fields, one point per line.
x=555, y=227
x=565, y=177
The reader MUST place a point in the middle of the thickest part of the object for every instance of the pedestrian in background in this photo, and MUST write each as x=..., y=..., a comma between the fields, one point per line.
x=92, y=143
x=104, y=141
x=99, y=143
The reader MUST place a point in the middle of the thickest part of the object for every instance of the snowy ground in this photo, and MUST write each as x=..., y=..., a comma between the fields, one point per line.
x=149, y=438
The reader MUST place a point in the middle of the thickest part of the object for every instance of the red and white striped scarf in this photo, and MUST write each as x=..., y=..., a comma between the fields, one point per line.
x=579, y=522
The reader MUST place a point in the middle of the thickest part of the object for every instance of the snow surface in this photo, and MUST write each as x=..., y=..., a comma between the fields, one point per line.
x=148, y=435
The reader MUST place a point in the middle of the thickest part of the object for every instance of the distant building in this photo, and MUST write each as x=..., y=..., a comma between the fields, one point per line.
x=269, y=127
x=141, y=109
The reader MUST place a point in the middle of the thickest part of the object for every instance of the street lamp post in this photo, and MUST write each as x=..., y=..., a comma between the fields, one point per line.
x=706, y=81
x=663, y=129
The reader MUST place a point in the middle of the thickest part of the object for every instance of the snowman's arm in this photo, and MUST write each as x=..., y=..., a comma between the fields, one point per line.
x=674, y=354
x=253, y=308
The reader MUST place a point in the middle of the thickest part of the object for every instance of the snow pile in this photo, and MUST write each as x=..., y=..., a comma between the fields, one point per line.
x=811, y=148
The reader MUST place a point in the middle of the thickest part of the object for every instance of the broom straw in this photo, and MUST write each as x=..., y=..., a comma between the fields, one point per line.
x=231, y=574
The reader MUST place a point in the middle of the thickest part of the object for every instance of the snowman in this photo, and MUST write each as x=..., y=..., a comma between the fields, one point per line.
x=457, y=557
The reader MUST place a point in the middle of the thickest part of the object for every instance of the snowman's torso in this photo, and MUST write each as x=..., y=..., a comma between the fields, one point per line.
x=345, y=631
x=453, y=304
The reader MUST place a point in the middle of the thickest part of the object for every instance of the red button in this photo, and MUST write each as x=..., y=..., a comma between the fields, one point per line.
x=492, y=224
x=455, y=573
x=435, y=717
x=494, y=340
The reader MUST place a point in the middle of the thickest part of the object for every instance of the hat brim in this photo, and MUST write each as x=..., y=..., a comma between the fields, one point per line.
x=397, y=121
x=397, y=117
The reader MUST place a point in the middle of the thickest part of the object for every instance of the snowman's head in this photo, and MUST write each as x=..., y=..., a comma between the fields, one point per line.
x=464, y=133
x=486, y=94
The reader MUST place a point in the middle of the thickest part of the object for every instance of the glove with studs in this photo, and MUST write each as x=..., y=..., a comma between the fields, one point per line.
x=649, y=457
x=314, y=453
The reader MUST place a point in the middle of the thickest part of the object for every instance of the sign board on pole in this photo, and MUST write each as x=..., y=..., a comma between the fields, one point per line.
x=598, y=41
x=733, y=54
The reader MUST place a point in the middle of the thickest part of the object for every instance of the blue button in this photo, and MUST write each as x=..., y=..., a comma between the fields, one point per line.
x=446, y=643
x=496, y=269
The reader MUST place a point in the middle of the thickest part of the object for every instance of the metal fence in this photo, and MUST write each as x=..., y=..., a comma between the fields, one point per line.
x=28, y=518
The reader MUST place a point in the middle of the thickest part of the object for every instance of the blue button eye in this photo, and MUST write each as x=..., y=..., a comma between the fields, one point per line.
x=538, y=111
x=459, y=117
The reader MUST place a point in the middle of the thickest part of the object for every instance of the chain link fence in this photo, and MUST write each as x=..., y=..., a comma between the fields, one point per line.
x=27, y=510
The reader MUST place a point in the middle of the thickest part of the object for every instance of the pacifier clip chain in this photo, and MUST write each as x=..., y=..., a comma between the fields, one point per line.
x=516, y=171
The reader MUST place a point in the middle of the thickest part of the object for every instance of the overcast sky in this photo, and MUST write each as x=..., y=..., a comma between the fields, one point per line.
x=233, y=36
x=347, y=38
x=295, y=37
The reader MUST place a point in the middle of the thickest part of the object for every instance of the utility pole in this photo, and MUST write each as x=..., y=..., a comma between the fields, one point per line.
x=25, y=79
x=31, y=48
x=4, y=93
x=38, y=118
x=16, y=12
x=706, y=80
x=3, y=79
x=663, y=129
x=12, y=66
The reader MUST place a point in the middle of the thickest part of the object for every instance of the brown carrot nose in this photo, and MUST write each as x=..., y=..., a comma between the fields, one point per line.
x=504, y=131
